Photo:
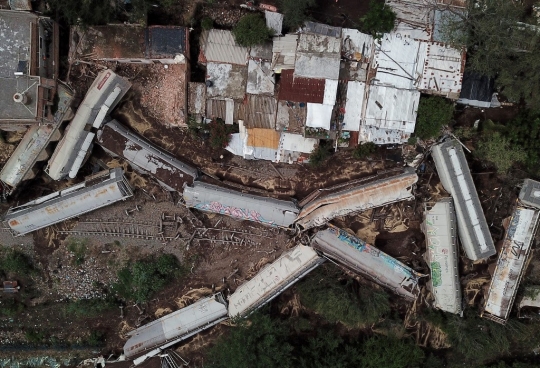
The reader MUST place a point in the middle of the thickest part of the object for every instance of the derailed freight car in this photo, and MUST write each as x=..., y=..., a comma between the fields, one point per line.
x=456, y=179
x=176, y=326
x=272, y=280
x=511, y=264
x=99, y=190
x=145, y=157
x=440, y=229
x=358, y=198
x=242, y=206
x=367, y=260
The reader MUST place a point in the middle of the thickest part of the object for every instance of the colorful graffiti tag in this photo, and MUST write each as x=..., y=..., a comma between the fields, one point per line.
x=239, y=213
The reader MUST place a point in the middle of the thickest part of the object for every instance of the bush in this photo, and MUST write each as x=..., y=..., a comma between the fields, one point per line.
x=433, y=114
x=251, y=30
x=78, y=248
x=498, y=150
x=10, y=307
x=364, y=150
x=16, y=262
x=220, y=134
x=294, y=12
x=389, y=352
x=84, y=12
x=89, y=308
x=379, y=19
x=207, y=23
x=139, y=281
x=319, y=155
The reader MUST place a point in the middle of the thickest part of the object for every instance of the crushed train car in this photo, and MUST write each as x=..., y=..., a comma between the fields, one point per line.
x=99, y=190
x=103, y=95
x=529, y=194
x=511, y=264
x=367, y=260
x=176, y=326
x=272, y=280
x=357, y=198
x=145, y=157
x=456, y=179
x=242, y=206
x=440, y=229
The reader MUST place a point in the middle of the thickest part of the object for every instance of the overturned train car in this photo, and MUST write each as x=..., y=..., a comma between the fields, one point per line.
x=369, y=261
x=145, y=157
x=242, y=206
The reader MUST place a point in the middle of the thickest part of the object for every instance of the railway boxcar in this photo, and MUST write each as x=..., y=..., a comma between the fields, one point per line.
x=145, y=157
x=367, y=260
x=272, y=280
x=177, y=326
x=440, y=229
x=99, y=190
x=242, y=206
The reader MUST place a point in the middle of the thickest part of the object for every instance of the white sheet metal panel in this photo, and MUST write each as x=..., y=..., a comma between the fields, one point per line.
x=196, y=317
x=272, y=280
x=414, y=18
x=105, y=86
x=392, y=108
x=260, y=79
x=440, y=229
x=319, y=115
x=274, y=21
x=443, y=70
x=359, y=198
x=330, y=92
x=356, y=41
x=354, y=105
x=264, y=210
x=382, y=136
x=529, y=195
x=517, y=244
x=68, y=203
x=318, y=56
x=284, y=52
x=81, y=154
x=456, y=179
x=369, y=261
x=221, y=47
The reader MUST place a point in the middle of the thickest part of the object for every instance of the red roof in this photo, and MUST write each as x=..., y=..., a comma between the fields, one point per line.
x=299, y=89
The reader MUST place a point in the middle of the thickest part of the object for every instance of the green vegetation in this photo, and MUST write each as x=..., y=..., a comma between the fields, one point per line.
x=207, y=23
x=86, y=12
x=498, y=45
x=320, y=154
x=220, y=133
x=96, y=338
x=378, y=20
x=337, y=301
x=140, y=280
x=364, y=150
x=390, y=352
x=15, y=262
x=251, y=30
x=433, y=113
x=78, y=248
x=89, y=308
x=498, y=150
x=295, y=12
x=10, y=307
x=35, y=336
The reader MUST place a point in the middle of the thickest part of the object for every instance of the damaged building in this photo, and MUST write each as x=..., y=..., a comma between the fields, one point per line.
x=440, y=229
x=367, y=260
x=456, y=179
x=99, y=190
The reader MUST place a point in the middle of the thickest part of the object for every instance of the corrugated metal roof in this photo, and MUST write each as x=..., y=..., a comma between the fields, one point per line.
x=529, y=194
x=440, y=229
x=354, y=105
x=273, y=279
x=369, y=261
x=274, y=21
x=414, y=18
x=456, y=179
x=321, y=29
x=221, y=47
x=217, y=108
x=381, y=136
x=319, y=115
x=284, y=52
x=260, y=78
x=264, y=210
x=359, y=198
x=442, y=73
x=318, y=56
x=260, y=112
x=145, y=156
x=330, y=92
x=263, y=138
x=300, y=89
x=228, y=81
x=355, y=41
x=263, y=51
x=20, y=5
x=196, y=317
x=105, y=188
x=391, y=108
x=511, y=264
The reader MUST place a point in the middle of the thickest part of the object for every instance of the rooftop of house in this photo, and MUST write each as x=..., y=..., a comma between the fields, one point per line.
x=317, y=56
x=15, y=39
x=219, y=46
x=20, y=5
x=27, y=108
x=228, y=80
x=299, y=89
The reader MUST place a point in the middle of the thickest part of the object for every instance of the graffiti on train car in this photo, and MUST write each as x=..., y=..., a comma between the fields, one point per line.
x=240, y=213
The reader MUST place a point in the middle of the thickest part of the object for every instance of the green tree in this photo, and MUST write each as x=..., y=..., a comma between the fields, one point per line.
x=320, y=154
x=85, y=12
x=207, y=23
x=337, y=352
x=220, y=134
x=295, y=12
x=259, y=342
x=378, y=20
x=364, y=150
x=433, y=113
x=390, y=352
x=498, y=150
x=16, y=262
x=251, y=30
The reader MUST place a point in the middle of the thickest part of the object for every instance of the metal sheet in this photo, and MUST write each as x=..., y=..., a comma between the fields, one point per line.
x=221, y=47
x=511, y=264
x=318, y=57
x=267, y=211
x=529, y=194
x=197, y=316
x=260, y=112
x=354, y=105
x=260, y=80
x=360, y=198
x=272, y=280
x=71, y=202
x=368, y=261
x=440, y=229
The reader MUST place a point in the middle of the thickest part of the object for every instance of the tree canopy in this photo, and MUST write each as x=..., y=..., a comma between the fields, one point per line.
x=433, y=113
x=378, y=20
x=295, y=12
x=251, y=30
